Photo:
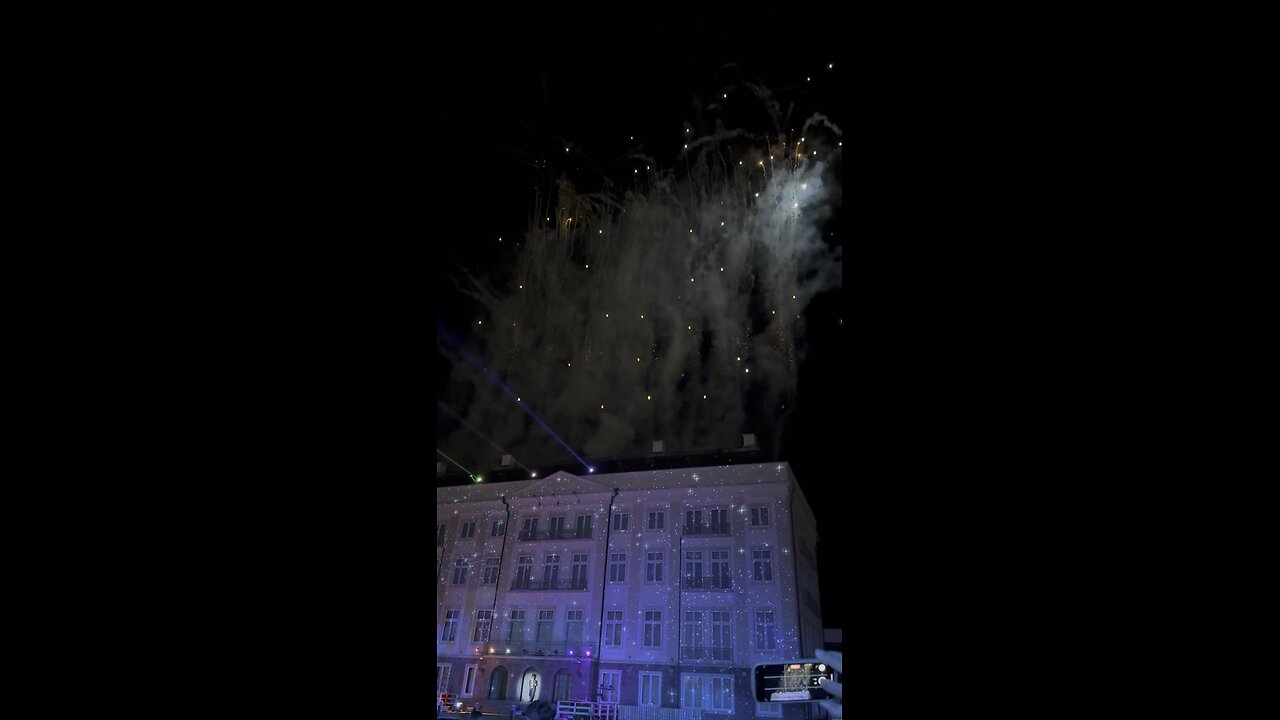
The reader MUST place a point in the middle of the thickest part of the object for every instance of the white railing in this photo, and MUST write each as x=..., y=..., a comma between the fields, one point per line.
x=649, y=712
x=585, y=710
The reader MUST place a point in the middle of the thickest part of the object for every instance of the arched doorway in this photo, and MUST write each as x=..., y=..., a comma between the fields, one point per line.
x=563, y=686
x=531, y=680
x=498, y=684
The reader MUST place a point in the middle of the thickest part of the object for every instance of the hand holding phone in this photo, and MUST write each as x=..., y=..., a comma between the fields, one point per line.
x=834, y=687
x=795, y=681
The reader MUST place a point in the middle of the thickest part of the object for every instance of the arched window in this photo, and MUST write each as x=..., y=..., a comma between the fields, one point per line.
x=498, y=684
x=564, y=685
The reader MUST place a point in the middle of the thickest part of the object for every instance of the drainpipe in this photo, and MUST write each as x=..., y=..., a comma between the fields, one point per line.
x=795, y=567
x=502, y=553
x=604, y=586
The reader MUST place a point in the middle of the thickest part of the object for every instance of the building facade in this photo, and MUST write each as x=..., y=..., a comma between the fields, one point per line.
x=657, y=590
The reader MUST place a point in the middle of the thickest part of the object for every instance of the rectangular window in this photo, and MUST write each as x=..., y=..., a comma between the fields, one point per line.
x=515, y=628
x=442, y=678
x=468, y=530
x=766, y=630
x=484, y=620
x=499, y=528
x=584, y=526
x=460, y=571
x=579, y=577
x=613, y=628
x=721, y=637
x=691, y=692
x=439, y=535
x=719, y=520
x=617, y=567
x=450, y=632
x=524, y=572
x=550, y=571
x=652, y=628
x=490, y=575
x=573, y=626
x=653, y=567
x=691, y=635
x=720, y=570
x=657, y=519
x=556, y=529
x=760, y=516
x=530, y=529
x=693, y=522
x=650, y=688
x=546, y=623
x=621, y=522
x=610, y=689
x=693, y=569
x=469, y=680
x=762, y=565
x=721, y=694
x=768, y=709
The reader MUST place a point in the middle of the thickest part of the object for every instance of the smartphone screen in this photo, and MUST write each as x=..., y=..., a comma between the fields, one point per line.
x=795, y=681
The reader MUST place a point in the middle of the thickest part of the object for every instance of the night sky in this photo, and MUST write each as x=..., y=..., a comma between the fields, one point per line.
x=532, y=124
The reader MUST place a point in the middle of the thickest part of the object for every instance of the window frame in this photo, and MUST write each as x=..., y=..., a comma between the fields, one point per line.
x=655, y=688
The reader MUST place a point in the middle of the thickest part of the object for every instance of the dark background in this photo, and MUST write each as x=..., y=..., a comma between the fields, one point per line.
x=251, y=421
x=517, y=96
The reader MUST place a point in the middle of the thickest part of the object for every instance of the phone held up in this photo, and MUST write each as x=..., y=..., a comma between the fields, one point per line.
x=795, y=681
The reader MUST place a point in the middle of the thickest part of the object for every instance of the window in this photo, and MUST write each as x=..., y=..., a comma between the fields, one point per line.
x=766, y=630
x=556, y=530
x=691, y=692
x=652, y=628
x=484, y=621
x=691, y=635
x=657, y=519
x=579, y=570
x=762, y=565
x=693, y=521
x=720, y=577
x=653, y=567
x=563, y=687
x=573, y=626
x=721, y=637
x=530, y=528
x=550, y=570
x=546, y=622
x=621, y=522
x=768, y=709
x=720, y=694
x=515, y=628
x=442, y=678
x=584, y=526
x=719, y=519
x=613, y=628
x=490, y=574
x=610, y=686
x=760, y=516
x=499, y=528
x=450, y=632
x=524, y=571
x=693, y=568
x=460, y=571
x=650, y=688
x=469, y=680
x=498, y=684
x=617, y=567
x=468, y=530
x=439, y=535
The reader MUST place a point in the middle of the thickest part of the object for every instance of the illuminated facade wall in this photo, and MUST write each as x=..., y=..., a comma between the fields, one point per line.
x=658, y=590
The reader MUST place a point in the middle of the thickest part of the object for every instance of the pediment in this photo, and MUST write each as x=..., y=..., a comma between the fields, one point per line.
x=561, y=483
